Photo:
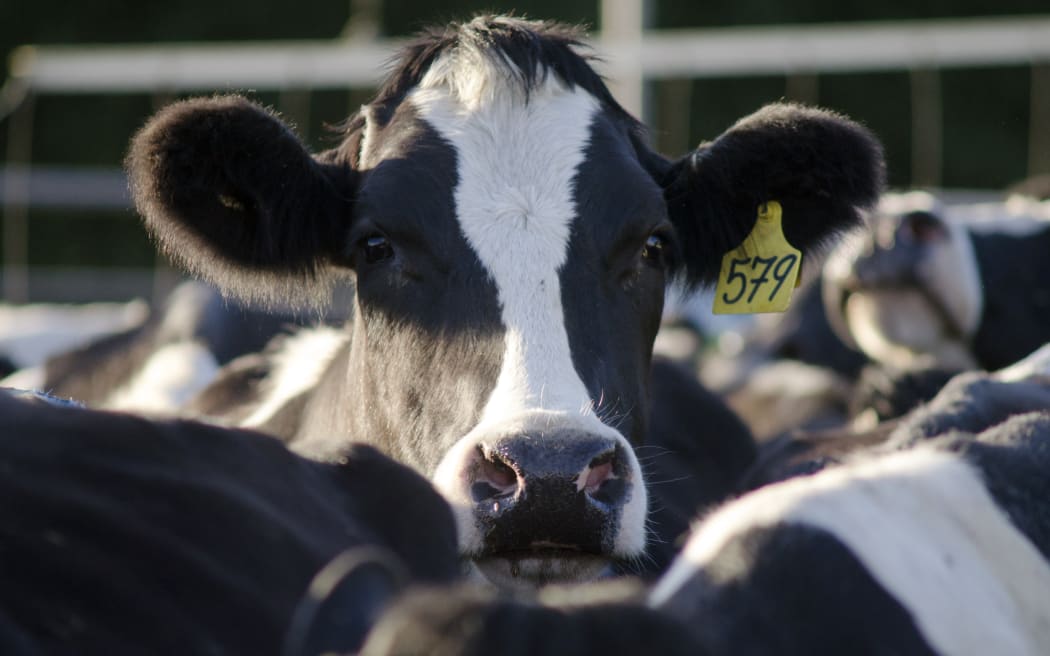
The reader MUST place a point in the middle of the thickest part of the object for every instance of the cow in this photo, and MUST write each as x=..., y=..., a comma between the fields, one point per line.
x=509, y=235
x=121, y=534
x=468, y=619
x=959, y=286
x=162, y=361
x=29, y=334
x=940, y=546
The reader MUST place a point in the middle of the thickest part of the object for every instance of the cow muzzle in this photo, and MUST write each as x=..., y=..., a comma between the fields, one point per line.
x=538, y=507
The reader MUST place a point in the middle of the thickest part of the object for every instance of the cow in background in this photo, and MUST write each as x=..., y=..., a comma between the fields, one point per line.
x=958, y=286
x=166, y=357
x=935, y=542
x=126, y=535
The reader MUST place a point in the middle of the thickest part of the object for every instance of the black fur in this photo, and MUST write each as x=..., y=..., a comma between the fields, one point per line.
x=822, y=168
x=696, y=452
x=793, y=590
x=584, y=621
x=231, y=194
x=123, y=535
x=776, y=586
x=891, y=393
x=1015, y=280
x=970, y=402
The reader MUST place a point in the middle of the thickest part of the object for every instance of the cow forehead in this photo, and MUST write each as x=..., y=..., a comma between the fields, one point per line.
x=517, y=158
x=516, y=165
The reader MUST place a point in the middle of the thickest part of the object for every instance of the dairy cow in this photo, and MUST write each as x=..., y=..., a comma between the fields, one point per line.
x=510, y=235
x=164, y=359
x=935, y=543
x=125, y=535
x=942, y=547
x=953, y=286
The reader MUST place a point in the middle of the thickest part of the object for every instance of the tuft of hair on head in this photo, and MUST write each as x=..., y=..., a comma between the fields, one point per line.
x=486, y=55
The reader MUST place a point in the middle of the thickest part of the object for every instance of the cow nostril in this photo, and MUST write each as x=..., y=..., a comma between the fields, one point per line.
x=601, y=480
x=492, y=478
x=597, y=475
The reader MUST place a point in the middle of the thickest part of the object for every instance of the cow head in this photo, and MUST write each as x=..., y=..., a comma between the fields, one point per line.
x=510, y=237
x=907, y=291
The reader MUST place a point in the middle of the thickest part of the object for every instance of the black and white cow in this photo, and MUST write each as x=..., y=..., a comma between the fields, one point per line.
x=941, y=548
x=162, y=361
x=122, y=535
x=955, y=286
x=510, y=236
x=971, y=401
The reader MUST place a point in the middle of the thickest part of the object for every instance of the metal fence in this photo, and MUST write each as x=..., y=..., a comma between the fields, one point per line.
x=632, y=57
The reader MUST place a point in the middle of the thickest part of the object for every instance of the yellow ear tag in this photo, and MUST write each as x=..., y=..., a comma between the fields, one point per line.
x=759, y=274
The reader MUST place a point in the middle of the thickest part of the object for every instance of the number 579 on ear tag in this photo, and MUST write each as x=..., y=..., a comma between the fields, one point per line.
x=759, y=274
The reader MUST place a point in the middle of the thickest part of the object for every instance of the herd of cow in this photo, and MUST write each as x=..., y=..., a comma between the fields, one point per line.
x=480, y=452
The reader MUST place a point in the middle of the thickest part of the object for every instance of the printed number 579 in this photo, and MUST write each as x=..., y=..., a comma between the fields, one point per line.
x=780, y=267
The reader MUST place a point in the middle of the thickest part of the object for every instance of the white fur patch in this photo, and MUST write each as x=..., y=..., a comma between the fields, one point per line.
x=514, y=201
x=29, y=334
x=925, y=527
x=30, y=378
x=170, y=378
x=298, y=365
x=1035, y=365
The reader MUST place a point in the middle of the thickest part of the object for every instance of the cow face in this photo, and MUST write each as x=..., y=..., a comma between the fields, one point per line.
x=510, y=238
x=907, y=291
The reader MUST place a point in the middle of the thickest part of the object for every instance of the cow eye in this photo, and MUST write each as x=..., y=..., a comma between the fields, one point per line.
x=654, y=251
x=377, y=248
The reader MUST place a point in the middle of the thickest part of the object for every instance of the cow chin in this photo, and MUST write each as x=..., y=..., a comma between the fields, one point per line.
x=530, y=570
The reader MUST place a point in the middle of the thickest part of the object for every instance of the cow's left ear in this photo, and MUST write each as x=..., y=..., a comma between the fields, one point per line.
x=231, y=194
x=822, y=168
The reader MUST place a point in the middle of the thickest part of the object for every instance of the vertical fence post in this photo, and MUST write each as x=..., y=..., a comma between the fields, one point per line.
x=623, y=22
x=927, y=128
x=1039, y=120
x=803, y=88
x=16, y=202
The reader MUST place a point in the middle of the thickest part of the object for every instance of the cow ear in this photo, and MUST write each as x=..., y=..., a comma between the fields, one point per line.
x=344, y=601
x=231, y=194
x=824, y=170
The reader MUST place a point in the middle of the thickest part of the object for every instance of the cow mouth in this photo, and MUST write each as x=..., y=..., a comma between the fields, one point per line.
x=541, y=565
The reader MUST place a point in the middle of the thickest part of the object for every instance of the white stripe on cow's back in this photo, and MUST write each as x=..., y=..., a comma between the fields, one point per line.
x=171, y=376
x=298, y=366
x=517, y=161
x=925, y=527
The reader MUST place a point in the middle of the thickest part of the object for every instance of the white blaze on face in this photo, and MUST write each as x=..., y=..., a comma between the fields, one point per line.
x=517, y=162
x=925, y=527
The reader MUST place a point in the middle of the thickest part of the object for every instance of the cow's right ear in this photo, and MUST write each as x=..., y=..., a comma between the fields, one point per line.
x=231, y=194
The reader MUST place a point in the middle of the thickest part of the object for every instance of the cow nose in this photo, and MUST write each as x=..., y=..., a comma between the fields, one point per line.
x=557, y=490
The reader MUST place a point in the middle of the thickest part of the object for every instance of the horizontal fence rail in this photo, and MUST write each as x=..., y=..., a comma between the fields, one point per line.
x=658, y=54
x=631, y=56
x=64, y=188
